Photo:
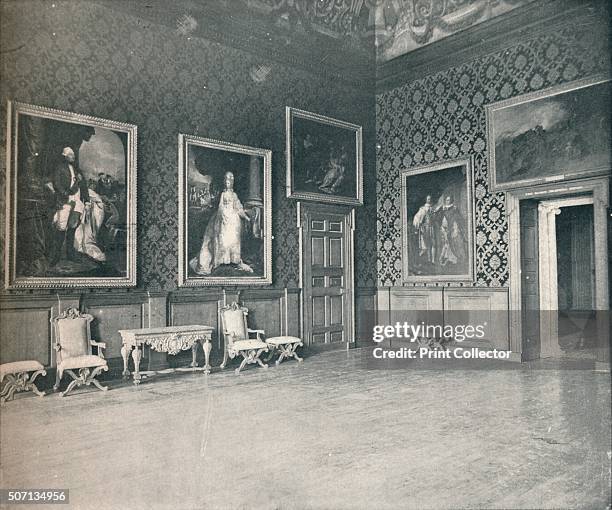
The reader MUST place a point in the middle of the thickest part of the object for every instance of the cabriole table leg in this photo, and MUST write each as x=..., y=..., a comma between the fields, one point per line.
x=125, y=354
x=136, y=355
x=207, y=346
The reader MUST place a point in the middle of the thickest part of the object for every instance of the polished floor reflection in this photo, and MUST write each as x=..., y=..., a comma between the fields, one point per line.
x=327, y=434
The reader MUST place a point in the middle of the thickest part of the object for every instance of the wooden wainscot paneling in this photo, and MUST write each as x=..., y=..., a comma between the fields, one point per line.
x=266, y=310
x=366, y=307
x=186, y=307
x=479, y=306
x=115, y=311
x=415, y=305
x=276, y=311
x=25, y=328
x=293, y=313
x=194, y=308
x=383, y=305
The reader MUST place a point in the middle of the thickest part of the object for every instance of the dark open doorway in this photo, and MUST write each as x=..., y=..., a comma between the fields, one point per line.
x=576, y=282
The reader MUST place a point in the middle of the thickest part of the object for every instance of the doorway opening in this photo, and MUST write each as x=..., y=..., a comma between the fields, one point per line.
x=566, y=263
x=576, y=282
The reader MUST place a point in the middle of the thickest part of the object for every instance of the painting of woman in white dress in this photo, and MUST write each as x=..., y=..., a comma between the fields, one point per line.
x=225, y=213
x=223, y=238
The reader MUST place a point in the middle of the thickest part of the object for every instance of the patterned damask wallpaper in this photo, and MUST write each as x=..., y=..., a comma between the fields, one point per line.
x=442, y=117
x=80, y=57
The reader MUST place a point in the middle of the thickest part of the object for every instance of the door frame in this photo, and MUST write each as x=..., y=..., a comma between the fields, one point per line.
x=303, y=212
x=599, y=191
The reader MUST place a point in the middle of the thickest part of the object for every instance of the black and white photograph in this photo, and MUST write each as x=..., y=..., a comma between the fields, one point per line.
x=305, y=254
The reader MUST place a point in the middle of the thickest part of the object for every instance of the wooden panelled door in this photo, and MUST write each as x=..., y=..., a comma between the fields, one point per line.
x=327, y=275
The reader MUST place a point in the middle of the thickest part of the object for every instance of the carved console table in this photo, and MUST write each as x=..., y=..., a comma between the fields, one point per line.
x=170, y=339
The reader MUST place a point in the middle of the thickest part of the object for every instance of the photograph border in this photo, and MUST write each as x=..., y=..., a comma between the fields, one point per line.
x=184, y=280
x=291, y=113
x=404, y=174
x=556, y=90
x=14, y=108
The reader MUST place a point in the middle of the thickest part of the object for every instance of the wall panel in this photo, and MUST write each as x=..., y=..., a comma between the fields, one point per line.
x=415, y=304
x=366, y=314
x=266, y=310
x=195, y=308
x=293, y=313
x=110, y=318
x=25, y=334
x=486, y=307
x=265, y=314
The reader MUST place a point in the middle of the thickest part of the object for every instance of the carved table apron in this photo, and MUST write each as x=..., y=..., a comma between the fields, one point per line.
x=170, y=339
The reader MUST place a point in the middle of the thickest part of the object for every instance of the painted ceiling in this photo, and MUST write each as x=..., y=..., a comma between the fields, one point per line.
x=394, y=27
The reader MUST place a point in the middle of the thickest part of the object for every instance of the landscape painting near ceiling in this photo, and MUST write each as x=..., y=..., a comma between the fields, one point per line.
x=225, y=216
x=71, y=200
x=554, y=134
x=437, y=222
x=324, y=161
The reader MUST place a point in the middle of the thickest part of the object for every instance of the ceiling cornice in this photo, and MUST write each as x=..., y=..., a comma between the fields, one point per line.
x=492, y=36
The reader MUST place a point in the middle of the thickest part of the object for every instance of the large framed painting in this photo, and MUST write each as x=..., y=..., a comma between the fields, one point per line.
x=550, y=135
x=71, y=200
x=225, y=213
x=438, y=223
x=324, y=158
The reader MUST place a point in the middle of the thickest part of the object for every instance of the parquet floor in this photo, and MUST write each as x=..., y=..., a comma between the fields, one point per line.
x=327, y=434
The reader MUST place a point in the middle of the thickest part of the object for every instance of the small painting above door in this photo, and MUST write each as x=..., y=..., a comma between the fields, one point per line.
x=324, y=158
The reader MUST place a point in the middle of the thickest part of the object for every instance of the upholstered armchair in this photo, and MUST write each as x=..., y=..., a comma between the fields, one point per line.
x=74, y=348
x=238, y=339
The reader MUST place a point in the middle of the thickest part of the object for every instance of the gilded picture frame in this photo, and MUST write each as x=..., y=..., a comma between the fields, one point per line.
x=70, y=200
x=225, y=213
x=324, y=158
x=438, y=223
x=555, y=134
